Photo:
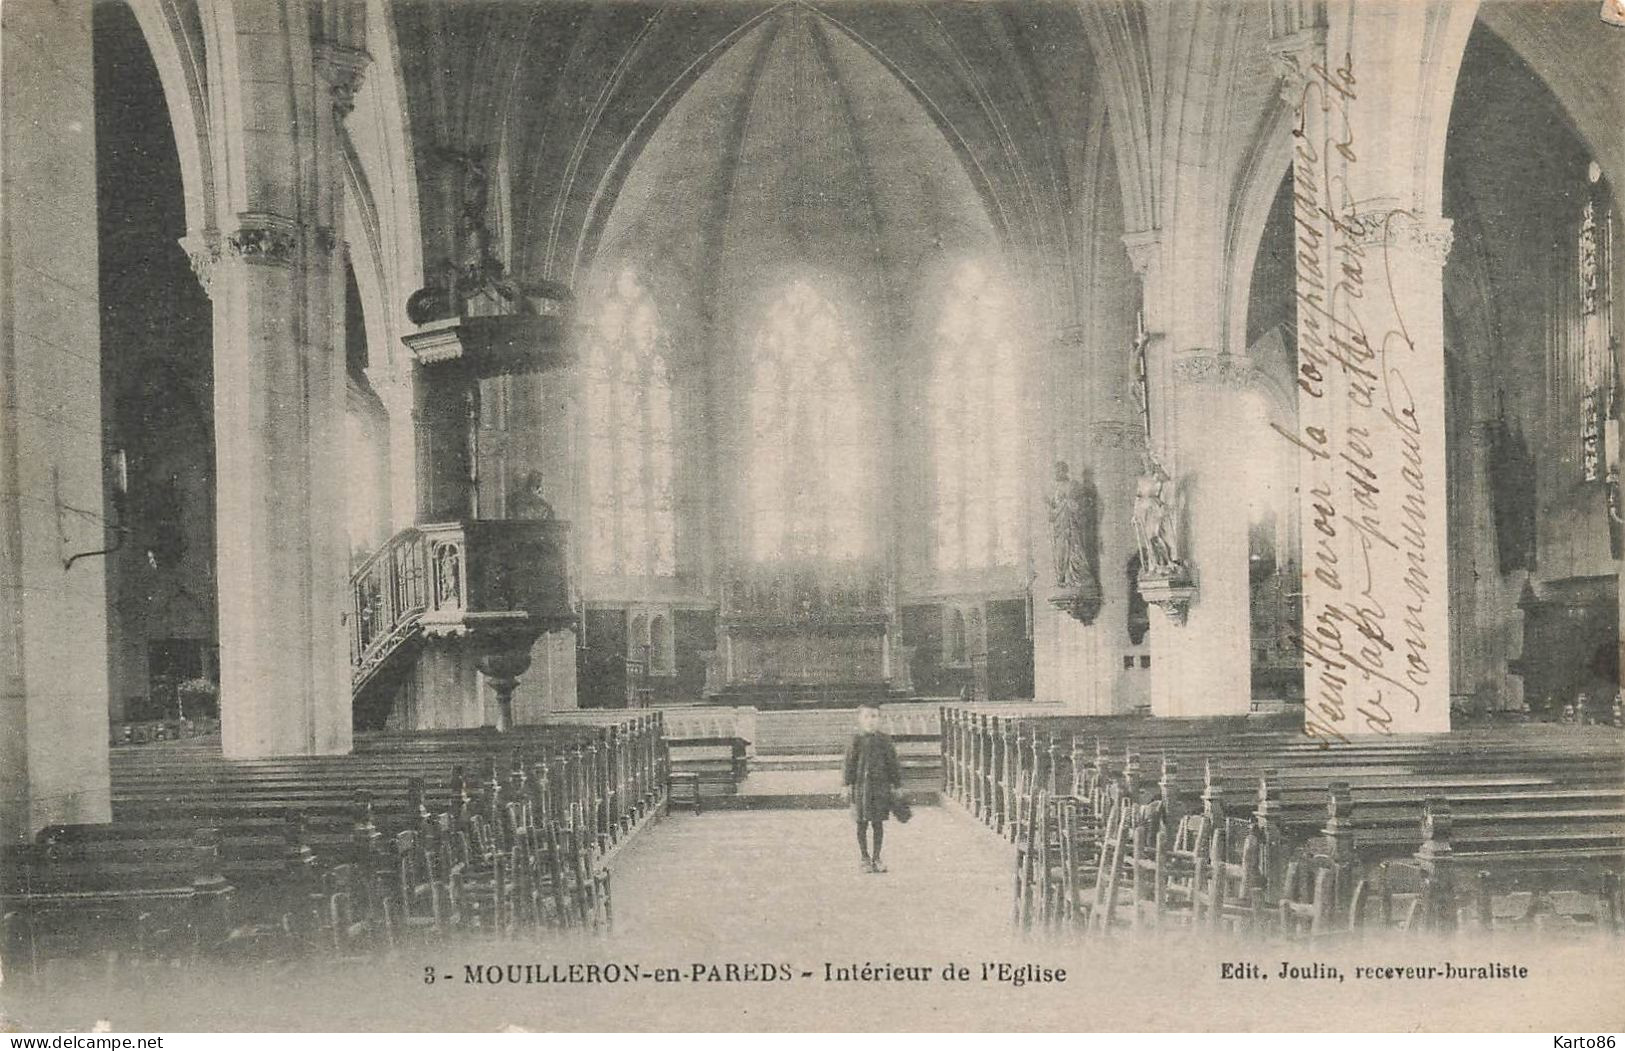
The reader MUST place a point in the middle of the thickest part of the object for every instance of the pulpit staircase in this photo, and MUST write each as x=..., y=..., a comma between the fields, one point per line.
x=388, y=595
x=493, y=586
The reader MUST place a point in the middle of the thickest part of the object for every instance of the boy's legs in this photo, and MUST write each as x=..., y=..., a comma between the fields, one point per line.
x=863, y=842
x=880, y=838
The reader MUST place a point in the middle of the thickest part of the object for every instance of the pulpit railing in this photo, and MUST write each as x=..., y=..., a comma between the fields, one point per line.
x=478, y=578
x=388, y=596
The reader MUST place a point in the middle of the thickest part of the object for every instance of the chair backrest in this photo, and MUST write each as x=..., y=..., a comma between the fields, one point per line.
x=339, y=878
x=1236, y=832
x=1192, y=833
x=519, y=818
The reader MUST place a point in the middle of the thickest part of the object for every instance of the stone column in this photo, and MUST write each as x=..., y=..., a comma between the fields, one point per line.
x=1204, y=666
x=397, y=391
x=53, y=656
x=1200, y=656
x=280, y=386
x=1077, y=663
x=550, y=685
x=1619, y=464
x=1371, y=247
x=1058, y=662
x=1116, y=444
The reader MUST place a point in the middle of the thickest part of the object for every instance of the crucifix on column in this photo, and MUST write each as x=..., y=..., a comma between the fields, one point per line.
x=1142, y=376
x=1164, y=579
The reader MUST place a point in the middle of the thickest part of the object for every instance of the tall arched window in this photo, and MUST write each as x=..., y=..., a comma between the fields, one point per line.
x=810, y=461
x=632, y=524
x=977, y=436
x=1593, y=327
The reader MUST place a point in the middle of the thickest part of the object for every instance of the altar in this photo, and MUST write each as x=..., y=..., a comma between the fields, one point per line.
x=803, y=634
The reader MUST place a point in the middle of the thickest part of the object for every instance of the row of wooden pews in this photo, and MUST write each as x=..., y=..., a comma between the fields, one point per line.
x=1517, y=827
x=409, y=837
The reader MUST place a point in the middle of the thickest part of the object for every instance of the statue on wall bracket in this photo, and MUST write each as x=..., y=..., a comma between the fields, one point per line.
x=1165, y=578
x=1074, y=518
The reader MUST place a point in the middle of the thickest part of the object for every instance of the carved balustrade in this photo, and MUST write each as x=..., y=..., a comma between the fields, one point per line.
x=388, y=595
x=499, y=584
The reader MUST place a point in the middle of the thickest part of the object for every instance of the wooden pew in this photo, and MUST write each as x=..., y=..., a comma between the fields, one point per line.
x=162, y=901
x=1457, y=884
x=245, y=799
x=693, y=763
x=1479, y=779
x=355, y=852
x=1329, y=835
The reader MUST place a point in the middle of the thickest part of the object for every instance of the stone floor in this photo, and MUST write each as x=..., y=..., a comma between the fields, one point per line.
x=769, y=880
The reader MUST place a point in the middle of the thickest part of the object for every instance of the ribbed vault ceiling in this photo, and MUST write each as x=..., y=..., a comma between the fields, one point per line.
x=798, y=149
x=576, y=92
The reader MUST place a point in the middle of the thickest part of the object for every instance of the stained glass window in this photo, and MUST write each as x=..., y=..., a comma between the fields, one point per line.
x=811, y=460
x=628, y=400
x=978, y=467
x=1594, y=268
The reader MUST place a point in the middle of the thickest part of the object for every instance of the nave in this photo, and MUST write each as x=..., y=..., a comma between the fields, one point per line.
x=756, y=886
x=583, y=861
x=506, y=446
x=720, y=888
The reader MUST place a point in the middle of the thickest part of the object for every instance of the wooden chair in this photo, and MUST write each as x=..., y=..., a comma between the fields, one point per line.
x=1183, y=869
x=1031, y=863
x=1235, y=897
x=1114, y=847
x=423, y=898
x=1322, y=894
x=359, y=921
x=1078, y=833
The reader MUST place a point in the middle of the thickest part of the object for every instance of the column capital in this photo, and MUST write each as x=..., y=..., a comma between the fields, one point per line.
x=1209, y=369
x=1291, y=55
x=264, y=238
x=1428, y=237
x=1143, y=248
x=342, y=67
x=202, y=248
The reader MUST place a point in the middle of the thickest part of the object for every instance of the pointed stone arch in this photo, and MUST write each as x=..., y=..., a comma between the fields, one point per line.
x=174, y=35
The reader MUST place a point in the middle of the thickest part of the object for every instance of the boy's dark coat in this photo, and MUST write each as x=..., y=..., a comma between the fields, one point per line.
x=873, y=772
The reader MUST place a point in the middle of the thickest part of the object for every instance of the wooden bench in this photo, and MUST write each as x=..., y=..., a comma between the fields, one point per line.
x=693, y=763
x=518, y=842
x=919, y=755
x=163, y=899
x=604, y=769
x=1278, y=832
x=585, y=788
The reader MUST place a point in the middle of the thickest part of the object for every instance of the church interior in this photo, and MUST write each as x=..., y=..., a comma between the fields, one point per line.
x=454, y=451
